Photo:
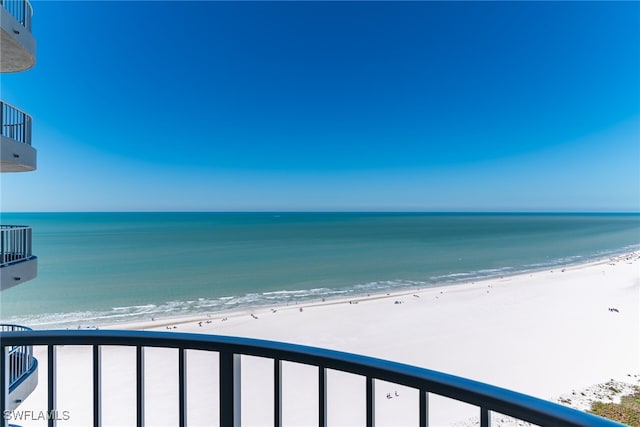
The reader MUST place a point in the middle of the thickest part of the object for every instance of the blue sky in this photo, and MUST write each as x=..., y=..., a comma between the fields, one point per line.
x=506, y=106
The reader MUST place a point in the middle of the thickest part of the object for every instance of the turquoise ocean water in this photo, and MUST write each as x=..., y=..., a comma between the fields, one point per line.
x=99, y=268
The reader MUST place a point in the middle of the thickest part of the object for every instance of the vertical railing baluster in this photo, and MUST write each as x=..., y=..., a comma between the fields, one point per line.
x=230, y=397
x=424, y=408
x=182, y=387
x=139, y=386
x=371, y=409
x=97, y=386
x=322, y=396
x=19, y=136
x=51, y=382
x=19, y=363
x=277, y=393
x=23, y=243
x=28, y=129
x=12, y=367
x=4, y=382
x=16, y=126
x=485, y=417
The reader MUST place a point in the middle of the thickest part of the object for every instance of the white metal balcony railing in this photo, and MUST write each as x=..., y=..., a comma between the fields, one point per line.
x=21, y=10
x=20, y=360
x=15, y=244
x=230, y=349
x=15, y=123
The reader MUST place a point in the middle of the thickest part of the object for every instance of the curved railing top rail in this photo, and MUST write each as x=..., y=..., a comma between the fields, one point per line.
x=497, y=399
x=7, y=106
x=21, y=10
x=9, y=327
x=14, y=227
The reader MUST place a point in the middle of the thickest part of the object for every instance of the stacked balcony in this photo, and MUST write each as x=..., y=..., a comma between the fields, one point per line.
x=18, y=45
x=19, y=369
x=17, y=154
x=17, y=263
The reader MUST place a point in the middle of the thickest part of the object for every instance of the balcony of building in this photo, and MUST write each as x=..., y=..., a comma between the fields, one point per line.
x=229, y=399
x=21, y=370
x=16, y=152
x=17, y=263
x=18, y=45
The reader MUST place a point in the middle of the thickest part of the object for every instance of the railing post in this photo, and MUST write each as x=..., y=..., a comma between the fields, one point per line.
x=424, y=408
x=322, y=396
x=140, y=386
x=182, y=387
x=97, y=386
x=277, y=393
x=230, y=396
x=371, y=405
x=485, y=417
x=51, y=383
x=4, y=382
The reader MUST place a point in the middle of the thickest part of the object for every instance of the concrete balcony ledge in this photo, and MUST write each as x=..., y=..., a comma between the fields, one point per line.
x=18, y=44
x=16, y=157
x=13, y=274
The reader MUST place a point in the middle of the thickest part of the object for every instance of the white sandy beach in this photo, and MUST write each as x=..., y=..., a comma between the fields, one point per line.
x=545, y=334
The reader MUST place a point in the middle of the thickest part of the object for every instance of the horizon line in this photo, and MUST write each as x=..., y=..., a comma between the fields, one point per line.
x=399, y=211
